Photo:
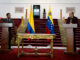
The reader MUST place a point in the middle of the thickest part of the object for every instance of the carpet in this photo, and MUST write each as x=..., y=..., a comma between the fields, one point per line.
x=58, y=55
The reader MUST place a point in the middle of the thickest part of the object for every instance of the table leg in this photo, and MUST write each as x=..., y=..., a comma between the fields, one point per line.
x=18, y=46
x=51, y=47
x=36, y=50
x=22, y=46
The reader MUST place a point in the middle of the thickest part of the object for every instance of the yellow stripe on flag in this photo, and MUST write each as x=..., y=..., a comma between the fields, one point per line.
x=50, y=16
x=31, y=19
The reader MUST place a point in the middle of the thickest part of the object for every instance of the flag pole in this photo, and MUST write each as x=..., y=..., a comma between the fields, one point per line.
x=63, y=20
x=61, y=14
x=26, y=15
x=22, y=22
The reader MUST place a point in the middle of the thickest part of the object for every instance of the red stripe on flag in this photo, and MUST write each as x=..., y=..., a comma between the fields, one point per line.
x=47, y=32
x=28, y=33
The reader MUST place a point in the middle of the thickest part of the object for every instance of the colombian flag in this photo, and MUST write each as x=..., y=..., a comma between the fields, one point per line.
x=50, y=24
x=30, y=26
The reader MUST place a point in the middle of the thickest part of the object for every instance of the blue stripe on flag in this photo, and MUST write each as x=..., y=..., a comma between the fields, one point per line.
x=29, y=28
x=50, y=26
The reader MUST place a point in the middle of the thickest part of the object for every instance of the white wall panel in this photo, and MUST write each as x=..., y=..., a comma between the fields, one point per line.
x=56, y=5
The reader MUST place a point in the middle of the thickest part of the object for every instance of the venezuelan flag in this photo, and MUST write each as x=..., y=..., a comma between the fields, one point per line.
x=50, y=24
x=30, y=26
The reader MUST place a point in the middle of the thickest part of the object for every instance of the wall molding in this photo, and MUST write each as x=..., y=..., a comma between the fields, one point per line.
x=39, y=3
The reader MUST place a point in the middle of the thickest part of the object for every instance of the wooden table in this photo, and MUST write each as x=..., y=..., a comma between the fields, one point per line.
x=21, y=36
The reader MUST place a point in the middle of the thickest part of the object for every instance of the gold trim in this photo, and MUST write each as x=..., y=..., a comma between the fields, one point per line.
x=20, y=36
